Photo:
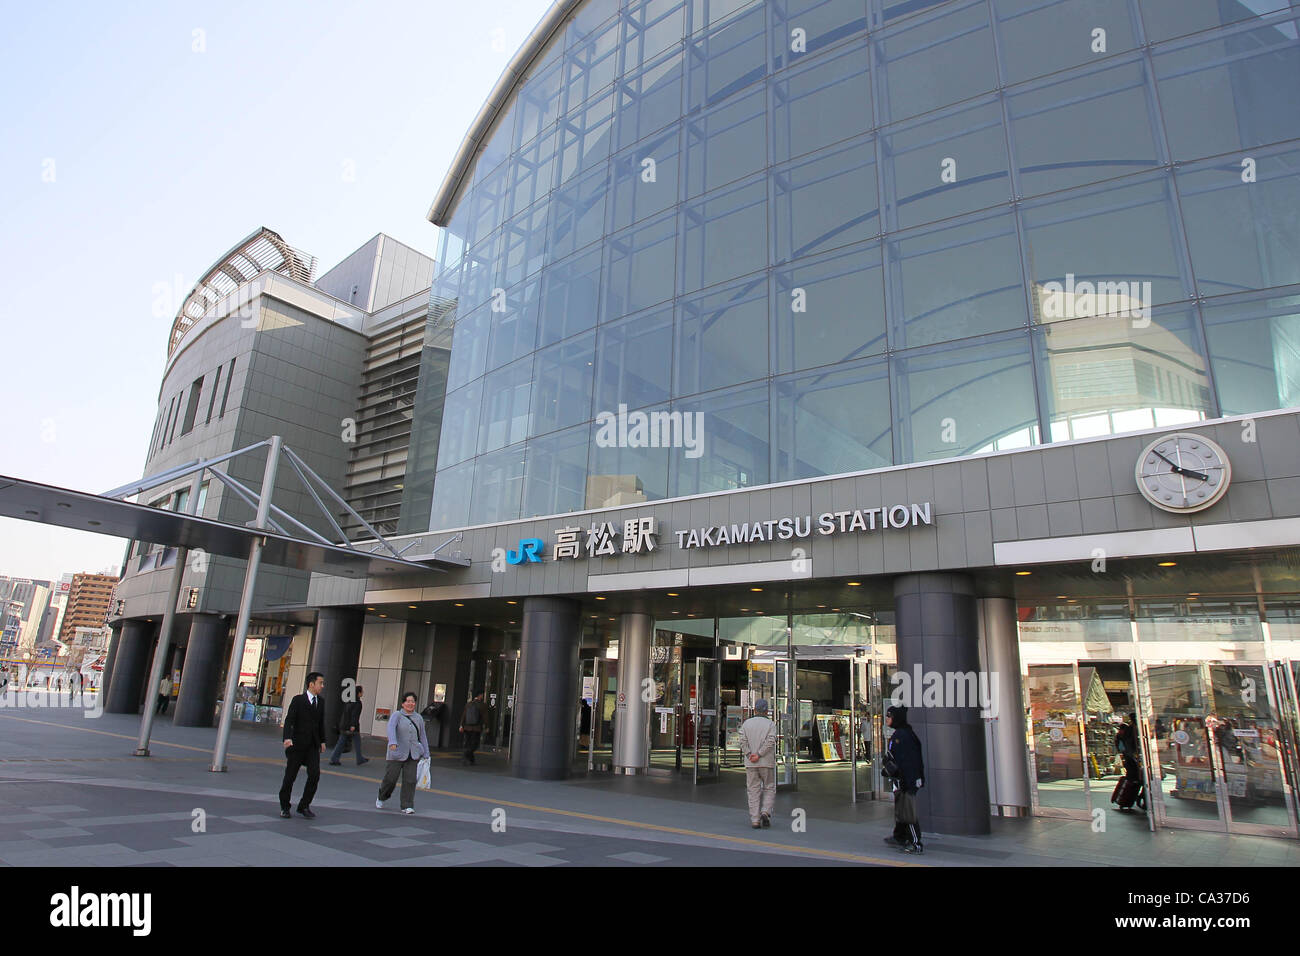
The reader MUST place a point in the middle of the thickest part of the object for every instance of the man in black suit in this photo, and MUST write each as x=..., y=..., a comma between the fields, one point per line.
x=304, y=742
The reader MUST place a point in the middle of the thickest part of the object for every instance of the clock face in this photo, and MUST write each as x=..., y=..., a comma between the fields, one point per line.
x=1183, y=472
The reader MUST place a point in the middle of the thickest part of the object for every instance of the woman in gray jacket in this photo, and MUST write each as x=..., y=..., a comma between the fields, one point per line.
x=407, y=745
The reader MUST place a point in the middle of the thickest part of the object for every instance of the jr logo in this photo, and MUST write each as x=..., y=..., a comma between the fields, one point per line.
x=529, y=550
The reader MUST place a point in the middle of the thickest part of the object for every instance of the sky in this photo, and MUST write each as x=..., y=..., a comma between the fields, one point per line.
x=139, y=142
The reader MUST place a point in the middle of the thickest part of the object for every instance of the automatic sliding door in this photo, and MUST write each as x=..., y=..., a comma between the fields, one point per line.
x=1183, y=778
x=1055, y=713
x=1250, y=742
x=704, y=711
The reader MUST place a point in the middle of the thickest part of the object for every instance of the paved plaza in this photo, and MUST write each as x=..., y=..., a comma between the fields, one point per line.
x=72, y=794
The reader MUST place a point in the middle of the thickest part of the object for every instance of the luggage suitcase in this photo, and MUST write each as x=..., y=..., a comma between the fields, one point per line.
x=1126, y=793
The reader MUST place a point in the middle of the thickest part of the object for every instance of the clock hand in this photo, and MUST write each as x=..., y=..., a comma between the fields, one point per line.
x=1199, y=476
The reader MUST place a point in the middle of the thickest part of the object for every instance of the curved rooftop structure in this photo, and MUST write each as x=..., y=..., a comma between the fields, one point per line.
x=254, y=254
x=463, y=162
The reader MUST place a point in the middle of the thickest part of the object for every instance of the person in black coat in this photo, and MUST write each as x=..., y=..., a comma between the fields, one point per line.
x=349, y=728
x=304, y=742
x=1126, y=743
x=903, y=758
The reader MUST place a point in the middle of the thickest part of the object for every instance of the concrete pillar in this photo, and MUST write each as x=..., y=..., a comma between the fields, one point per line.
x=196, y=704
x=106, y=674
x=632, y=714
x=335, y=652
x=547, y=689
x=1004, y=727
x=130, y=668
x=937, y=631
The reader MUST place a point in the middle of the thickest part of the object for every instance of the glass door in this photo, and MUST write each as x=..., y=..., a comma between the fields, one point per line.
x=506, y=707
x=1249, y=746
x=1184, y=778
x=787, y=729
x=667, y=726
x=704, y=711
x=604, y=693
x=860, y=730
x=1055, y=716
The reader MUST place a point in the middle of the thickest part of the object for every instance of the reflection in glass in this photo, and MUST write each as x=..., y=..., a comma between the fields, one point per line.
x=1243, y=235
x=1254, y=346
x=1105, y=375
x=570, y=297
x=642, y=261
x=833, y=422
x=1185, y=774
x=726, y=59
x=1116, y=233
x=826, y=202
x=829, y=309
x=1054, y=723
x=562, y=380
x=727, y=143
x=498, y=481
x=969, y=146
x=822, y=103
x=1083, y=129
x=824, y=22
x=956, y=282
x=1249, y=742
x=632, y=366
x=639, y=188
x=722, y=338
x=1231, y=92
x=725, y=236
x=731, y=450
x=505, y=405
x=953, y=400
x=1040, y=38
x=451, y=493
x=556, y=473
x=958, y=38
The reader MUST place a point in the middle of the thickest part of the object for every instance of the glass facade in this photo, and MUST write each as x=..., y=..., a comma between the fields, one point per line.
x=858, y=233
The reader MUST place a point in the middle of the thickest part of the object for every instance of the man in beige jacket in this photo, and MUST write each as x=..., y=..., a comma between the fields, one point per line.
x=758, y=746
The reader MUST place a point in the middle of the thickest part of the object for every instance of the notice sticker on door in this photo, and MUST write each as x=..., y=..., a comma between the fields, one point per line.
x=663, y=722
x=1181, y=738
x=1057, y=733
x=1054, y=723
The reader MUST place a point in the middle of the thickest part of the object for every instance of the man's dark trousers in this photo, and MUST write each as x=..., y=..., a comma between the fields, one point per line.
x=472, y=738
x=297, y=757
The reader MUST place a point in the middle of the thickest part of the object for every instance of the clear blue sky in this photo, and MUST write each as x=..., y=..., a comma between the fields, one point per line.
x=162, y=158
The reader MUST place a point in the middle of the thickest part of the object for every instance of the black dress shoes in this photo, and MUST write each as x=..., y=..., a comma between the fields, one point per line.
x=285, y=814
x=306, y=812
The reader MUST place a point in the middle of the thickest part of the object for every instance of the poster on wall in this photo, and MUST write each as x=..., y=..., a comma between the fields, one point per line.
x=251, y=661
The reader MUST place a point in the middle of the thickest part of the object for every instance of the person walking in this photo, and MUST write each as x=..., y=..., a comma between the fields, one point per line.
x=758, y=747
x=408, y=744
x=902, y=763
x=304, y=742
x=471, y=725
x=164, y=693
x=349, y=729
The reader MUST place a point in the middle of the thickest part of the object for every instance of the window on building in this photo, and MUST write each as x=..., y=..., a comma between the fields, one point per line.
x=192, y=409
x=212, y=399
x=226, y=394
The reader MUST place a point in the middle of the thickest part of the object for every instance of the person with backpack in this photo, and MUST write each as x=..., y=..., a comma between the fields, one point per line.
x=471, y=725
x=903, y=765
x=408, y=744
x=1129, y=790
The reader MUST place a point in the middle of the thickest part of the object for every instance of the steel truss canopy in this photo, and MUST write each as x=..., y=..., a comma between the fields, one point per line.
x=258, y=252
x=31, y=501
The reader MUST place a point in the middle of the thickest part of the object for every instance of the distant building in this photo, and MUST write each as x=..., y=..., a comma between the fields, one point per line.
x=89, y=599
